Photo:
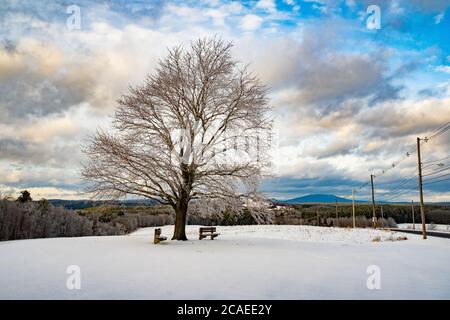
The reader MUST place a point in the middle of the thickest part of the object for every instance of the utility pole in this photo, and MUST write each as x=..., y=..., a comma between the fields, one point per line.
x=337, y=215
x=422, y=207
x=353, y=207
x=374, y=221
x=412, y=212
x=382, y=217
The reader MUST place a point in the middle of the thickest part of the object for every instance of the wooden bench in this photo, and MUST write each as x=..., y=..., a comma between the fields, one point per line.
x=157, y=239
x=207, y=232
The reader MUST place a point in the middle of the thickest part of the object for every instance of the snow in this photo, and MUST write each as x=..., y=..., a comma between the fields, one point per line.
x=429, y=227
x=244, y=262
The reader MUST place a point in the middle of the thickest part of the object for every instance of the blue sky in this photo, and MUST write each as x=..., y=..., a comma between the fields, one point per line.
x=348, y=101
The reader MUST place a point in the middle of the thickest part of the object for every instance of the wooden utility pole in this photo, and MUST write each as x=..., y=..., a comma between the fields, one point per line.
x=353, y=208
x=382, y=217
x=337, y=215
x=412, y=212
x=422, y=207
x=374, y=219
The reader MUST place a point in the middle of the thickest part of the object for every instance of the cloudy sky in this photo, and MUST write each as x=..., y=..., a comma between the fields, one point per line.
x=348, y=100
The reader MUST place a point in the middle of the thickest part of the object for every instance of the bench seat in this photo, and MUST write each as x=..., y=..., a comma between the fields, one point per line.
x=205, y=232
x=212, y=235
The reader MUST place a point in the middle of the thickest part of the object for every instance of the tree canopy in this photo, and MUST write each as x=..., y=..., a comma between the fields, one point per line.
x=197, y=127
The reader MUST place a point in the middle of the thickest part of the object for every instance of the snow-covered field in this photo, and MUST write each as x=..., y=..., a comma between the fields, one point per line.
x=430, y=227
x=244, y=262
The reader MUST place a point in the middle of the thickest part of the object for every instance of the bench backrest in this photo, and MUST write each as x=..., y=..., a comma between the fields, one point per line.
x=157, y=231
x=207, y=229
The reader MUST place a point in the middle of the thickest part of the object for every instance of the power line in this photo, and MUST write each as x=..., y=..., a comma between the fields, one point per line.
x=397, y=195
x=438, y=177
x=402, y=192
x=399, y=187
x=404, y=186
x=427, y=183
x=435, y=133
x=439, y=131
x=434, y=172
x=405, y=180
x=436, y=160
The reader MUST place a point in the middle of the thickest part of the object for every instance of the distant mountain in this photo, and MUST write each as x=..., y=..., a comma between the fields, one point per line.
x=331, y=198
x=318, y=198
x=83, y=204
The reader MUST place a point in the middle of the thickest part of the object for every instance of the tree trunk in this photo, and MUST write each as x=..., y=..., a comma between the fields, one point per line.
x=181, y=205
x=179, y=232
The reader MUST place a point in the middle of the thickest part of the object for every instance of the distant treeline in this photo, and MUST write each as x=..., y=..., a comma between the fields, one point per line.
x=401, y=213
x=40, y=219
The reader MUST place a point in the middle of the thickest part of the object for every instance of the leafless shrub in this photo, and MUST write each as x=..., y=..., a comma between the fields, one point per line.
x=391, y=223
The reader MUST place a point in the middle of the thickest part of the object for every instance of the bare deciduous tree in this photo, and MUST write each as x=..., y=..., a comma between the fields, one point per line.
x=185, y=133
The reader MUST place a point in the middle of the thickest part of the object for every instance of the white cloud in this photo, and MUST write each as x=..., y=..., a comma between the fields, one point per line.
x=350, y=3
x=438, y=18
x=267, y=5
x=445, y=69
x=251, y=22
x=272, y=60
x=10, y=63
x=293, y=4
x=218, y=16
x=396, y=8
